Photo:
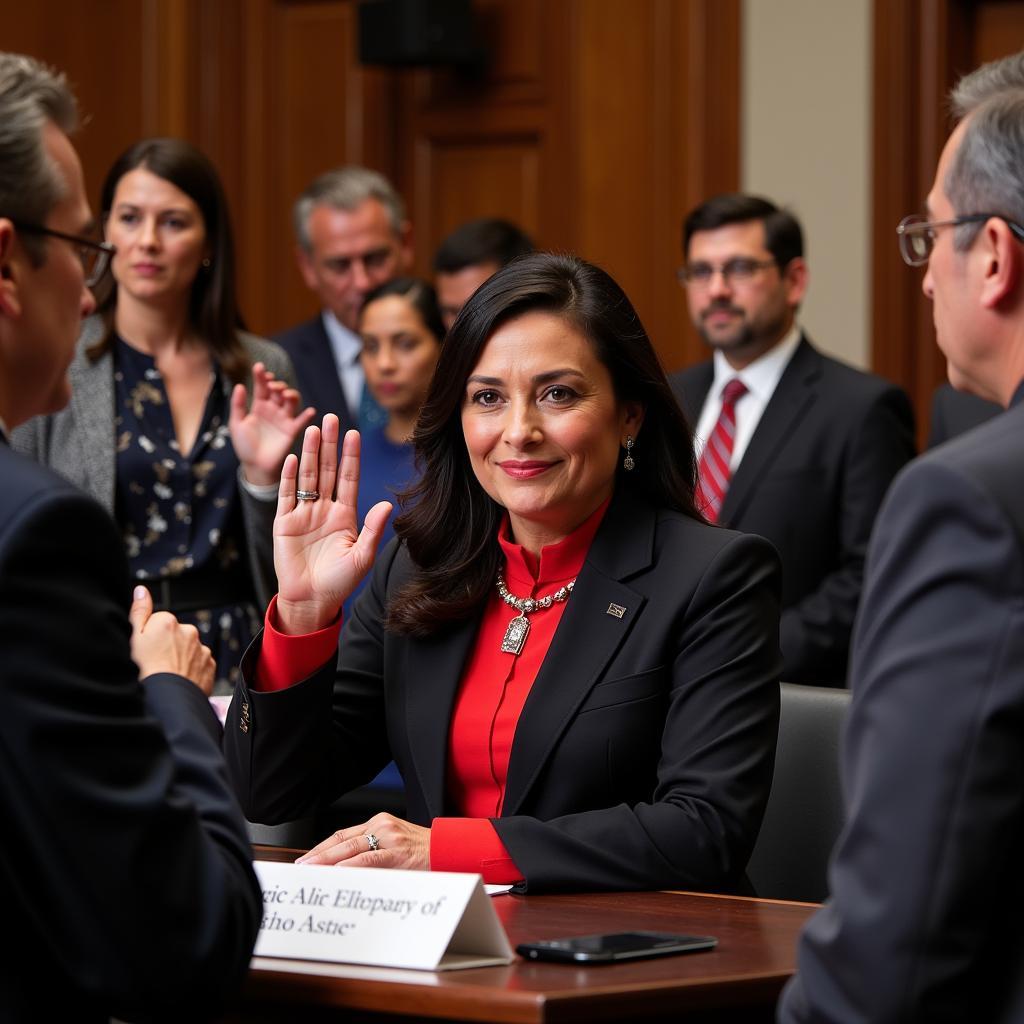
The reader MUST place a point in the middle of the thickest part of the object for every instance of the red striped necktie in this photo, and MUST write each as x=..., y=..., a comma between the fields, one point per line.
x=713, y=471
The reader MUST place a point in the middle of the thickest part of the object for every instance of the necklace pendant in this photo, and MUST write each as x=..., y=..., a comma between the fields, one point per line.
x=515, y=635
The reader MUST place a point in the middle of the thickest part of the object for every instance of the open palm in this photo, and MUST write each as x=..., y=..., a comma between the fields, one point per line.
x=320, y=553
x=263, y=434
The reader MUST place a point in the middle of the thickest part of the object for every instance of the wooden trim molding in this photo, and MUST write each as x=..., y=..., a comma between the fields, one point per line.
x=921, y=47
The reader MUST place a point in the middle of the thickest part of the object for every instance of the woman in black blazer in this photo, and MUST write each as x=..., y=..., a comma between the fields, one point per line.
x=627, y=741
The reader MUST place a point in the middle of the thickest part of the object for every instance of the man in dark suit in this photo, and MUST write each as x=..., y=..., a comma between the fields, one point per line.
x=792, y=445
x=125, y=871
x=955, y=412
x=923, y=922
x=352, y=235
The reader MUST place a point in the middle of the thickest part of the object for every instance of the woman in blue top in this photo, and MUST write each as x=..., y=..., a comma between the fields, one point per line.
x=401, y=328
x=402, y=331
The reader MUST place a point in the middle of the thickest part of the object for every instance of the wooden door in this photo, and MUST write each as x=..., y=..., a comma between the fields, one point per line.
x=921, y=48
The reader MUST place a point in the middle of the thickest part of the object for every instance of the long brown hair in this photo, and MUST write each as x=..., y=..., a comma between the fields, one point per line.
x=213, y=306
x=450, y=523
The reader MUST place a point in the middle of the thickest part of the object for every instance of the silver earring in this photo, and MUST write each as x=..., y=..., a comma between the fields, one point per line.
x=628, y=462
x=206, y=262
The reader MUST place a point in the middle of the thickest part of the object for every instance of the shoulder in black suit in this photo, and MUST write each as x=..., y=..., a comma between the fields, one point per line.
x=811, y=480
x=923, y=923
x=955, y=412
x=125, y=870
x=643, y=756
x=319, y=382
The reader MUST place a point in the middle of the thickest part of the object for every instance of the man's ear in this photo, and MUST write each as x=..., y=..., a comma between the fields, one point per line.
x=795, y=278
x=305, y=262
x=1002, y=262
x=10, y=305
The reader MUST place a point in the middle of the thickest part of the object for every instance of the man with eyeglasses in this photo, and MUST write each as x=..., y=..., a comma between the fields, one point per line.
x=125, y=868
x=953, y=412
x=791, y=444
x=352, y=235
x=923, y=922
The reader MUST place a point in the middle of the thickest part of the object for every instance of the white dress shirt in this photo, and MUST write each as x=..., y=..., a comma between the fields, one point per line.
x=761, y=378
x=346, y=346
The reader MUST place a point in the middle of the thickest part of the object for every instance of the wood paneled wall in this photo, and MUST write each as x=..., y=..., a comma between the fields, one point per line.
x=596, y=124
x=921, y=48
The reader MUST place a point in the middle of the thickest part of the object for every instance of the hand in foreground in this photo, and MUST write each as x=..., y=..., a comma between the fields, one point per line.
x=162, y=644
x=400, y=844
x=320, y=553
x=263, y=435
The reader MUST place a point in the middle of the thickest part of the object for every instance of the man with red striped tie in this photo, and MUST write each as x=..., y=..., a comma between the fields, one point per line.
x=792, y=444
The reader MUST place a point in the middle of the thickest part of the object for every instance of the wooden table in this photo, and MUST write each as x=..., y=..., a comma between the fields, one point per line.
x=738, y=981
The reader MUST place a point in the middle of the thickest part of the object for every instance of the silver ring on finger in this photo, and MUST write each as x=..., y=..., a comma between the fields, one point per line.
x=371, y=840
x=307, y=495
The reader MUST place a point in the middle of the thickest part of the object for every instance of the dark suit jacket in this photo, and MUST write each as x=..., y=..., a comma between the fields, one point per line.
x=924, y=921
x=643, y=756
x=812, y=479
x=125, y=871
x=319, y=382
x=955, y=412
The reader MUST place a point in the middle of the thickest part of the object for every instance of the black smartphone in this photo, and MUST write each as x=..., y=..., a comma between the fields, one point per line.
x=614, y=947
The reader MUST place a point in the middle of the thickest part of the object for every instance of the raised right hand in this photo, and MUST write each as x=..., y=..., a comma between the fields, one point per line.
x=320, y=553
x=162, y=644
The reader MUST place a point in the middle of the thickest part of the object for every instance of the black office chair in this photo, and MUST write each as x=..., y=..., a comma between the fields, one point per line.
x=351, y=809
x=300, y=834
x=805, y=810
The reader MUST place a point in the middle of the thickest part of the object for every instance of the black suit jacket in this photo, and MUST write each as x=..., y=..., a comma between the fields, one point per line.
x=924, y=920
x=955, y=412
x=643, y=756
x=125, y=871
x=828, y=445
x=311, y=354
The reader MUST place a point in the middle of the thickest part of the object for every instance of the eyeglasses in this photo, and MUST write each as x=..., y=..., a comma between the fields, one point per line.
x=739, y=269
x=373, y=262
x=94, y=256
x=917, y=235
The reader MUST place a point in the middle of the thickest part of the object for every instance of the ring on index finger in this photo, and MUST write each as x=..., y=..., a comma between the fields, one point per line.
x=307, y=495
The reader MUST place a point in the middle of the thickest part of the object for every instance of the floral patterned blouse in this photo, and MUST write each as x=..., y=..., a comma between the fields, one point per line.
x=179, y=512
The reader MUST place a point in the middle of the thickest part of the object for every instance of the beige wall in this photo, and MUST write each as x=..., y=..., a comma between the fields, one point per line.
x=806, y=143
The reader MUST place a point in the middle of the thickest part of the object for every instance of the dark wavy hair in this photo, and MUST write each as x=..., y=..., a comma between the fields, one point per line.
x=450, y=523
x=213, y=305
x=419, y=294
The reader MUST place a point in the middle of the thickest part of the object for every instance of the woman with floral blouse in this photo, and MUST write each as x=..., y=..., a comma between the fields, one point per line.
x=180, y=420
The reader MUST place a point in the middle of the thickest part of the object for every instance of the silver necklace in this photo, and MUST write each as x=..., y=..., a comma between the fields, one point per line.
x=519, y=627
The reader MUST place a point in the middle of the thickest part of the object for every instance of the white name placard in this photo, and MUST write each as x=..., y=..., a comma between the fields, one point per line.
x=425, y=920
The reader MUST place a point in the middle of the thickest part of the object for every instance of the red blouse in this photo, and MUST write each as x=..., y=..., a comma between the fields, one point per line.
x=492, y=692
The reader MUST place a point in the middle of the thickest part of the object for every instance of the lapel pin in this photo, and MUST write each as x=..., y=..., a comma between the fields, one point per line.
x=617, y=610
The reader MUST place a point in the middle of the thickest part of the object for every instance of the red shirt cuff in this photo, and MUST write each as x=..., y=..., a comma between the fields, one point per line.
x=286, y=660
x=472, y=845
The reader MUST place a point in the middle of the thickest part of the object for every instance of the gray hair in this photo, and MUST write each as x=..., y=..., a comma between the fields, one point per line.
x=998, y=76
x=30, y=182
x=345, y=188
x=987, y=171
